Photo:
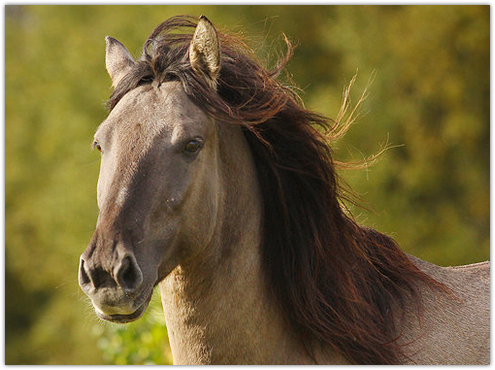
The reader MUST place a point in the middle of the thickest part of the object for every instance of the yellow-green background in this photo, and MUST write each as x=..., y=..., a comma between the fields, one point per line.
x=431, y=93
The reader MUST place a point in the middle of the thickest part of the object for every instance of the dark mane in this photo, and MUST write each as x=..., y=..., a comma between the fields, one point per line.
x=339, y=283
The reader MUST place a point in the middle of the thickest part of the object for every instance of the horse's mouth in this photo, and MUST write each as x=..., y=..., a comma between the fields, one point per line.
x=123, y=319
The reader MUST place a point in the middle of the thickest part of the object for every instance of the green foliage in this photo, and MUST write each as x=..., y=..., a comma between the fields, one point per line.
x=431, y=93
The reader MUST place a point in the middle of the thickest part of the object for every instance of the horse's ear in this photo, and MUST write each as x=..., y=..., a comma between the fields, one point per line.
x=204, y=51
x=118, y=60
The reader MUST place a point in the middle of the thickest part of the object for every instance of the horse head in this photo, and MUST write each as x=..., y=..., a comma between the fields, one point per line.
x=158, y=183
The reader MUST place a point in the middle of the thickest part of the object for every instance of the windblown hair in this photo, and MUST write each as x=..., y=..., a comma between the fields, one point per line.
x=338, y=283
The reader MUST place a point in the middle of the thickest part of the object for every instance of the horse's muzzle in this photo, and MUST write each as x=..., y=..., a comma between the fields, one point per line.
x=115, y=292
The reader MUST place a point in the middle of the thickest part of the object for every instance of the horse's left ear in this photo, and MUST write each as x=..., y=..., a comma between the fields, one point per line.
x=204, y=51
x=118, y=60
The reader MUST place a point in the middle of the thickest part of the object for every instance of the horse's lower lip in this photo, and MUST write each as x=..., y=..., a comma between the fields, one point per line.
x=122, y=319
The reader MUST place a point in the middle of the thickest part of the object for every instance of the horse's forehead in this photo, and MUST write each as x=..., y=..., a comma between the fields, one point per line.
x=154, y=109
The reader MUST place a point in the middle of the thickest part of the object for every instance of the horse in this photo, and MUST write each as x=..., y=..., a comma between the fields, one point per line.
x=218, y=186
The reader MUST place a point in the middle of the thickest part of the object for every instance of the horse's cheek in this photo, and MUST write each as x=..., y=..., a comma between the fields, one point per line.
x=200, y=216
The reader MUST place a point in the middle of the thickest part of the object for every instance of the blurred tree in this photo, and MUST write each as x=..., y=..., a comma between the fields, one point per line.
x=431, y=93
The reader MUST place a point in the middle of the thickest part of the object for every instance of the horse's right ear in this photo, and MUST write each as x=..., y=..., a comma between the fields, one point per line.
x=204, y=51
x=118, y=60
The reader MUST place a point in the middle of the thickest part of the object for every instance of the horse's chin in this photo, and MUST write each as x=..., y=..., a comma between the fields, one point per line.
x=121, y=318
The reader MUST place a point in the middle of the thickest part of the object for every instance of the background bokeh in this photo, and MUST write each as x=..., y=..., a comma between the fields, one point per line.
x=431, y=93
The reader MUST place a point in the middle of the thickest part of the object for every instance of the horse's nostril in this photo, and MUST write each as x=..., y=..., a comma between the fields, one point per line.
x=129, y=275
x=83, y=275
x=94, y=277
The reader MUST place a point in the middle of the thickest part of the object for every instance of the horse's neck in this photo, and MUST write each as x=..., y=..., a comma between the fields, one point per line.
x=220, y=315
x=216, y=306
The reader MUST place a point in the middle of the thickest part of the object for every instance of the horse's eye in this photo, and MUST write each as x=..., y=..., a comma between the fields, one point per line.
x=97, y=146
x=193, y=146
